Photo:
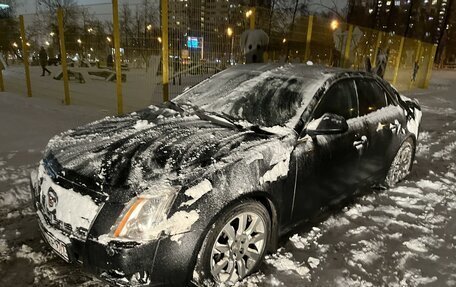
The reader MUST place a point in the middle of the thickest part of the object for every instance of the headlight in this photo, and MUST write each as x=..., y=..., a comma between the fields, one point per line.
x=141, y=215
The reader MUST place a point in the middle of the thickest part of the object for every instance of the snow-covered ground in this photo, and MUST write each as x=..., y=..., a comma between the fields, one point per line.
x=404, y=236
x=140, y=89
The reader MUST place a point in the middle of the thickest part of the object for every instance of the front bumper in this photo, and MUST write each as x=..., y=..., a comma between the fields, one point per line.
x=115, y=262
x=155, y=263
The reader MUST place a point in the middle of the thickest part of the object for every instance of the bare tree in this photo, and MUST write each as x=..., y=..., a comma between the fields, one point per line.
x=333, y=8
x=8, y=29
x=46, y=24
x=283, y=15
x=71, y=11
x=144, y=24
x=292, y=25
x=126, y=23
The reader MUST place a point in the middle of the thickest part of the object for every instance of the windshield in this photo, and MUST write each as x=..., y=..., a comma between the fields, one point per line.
x=265, y=99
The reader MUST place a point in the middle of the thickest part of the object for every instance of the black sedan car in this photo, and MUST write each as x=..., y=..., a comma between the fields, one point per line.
x=197, y=190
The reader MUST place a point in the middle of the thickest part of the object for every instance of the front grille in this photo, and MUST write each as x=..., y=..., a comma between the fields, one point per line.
x=62, y=219
x=71, y=180
x=52, y=221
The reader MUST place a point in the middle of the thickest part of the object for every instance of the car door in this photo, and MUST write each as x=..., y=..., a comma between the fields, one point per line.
x=385, y=122
x=327, y=165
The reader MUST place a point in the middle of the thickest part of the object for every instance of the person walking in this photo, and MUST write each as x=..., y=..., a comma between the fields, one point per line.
x=381, y=63
x=43, y=61
x=416, y=67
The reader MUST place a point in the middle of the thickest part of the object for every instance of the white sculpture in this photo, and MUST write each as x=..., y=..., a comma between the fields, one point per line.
x=253, y=44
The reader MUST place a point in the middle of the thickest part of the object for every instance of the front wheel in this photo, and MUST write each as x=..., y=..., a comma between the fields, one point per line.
x=402, y=163
x=235, y=245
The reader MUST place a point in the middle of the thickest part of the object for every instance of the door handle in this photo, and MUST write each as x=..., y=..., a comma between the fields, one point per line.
x=395, y=127
x=360, y=144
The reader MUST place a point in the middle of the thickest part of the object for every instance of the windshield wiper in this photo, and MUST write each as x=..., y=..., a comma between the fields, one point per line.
x=228, y=120
x=175, y=107
x=258, y=129
x=212, y=117
x=252, y=127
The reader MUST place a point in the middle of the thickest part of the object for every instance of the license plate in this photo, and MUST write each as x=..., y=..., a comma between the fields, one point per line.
x=58, y=246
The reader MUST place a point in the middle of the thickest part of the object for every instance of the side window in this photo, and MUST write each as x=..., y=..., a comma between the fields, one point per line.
x=371, y=96
x=340, y=99
x=392, y=93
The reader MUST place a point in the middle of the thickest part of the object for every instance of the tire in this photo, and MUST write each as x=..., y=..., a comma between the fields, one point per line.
x=231, y=252
x=401, y=164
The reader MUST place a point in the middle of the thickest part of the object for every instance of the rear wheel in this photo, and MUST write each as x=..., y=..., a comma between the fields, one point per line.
x=235, y=245
x=402, y=163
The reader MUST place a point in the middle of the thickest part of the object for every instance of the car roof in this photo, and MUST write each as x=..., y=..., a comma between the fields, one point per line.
x=300, y=70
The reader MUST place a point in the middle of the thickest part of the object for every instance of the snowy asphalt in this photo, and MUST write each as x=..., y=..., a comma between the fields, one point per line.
x=404, y=236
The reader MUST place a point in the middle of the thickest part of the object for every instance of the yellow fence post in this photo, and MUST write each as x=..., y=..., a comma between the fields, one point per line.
x=252, y=18
x=66, y=90
x=377, y=46
x=165, y=50
x=347, y=46
x=398, y=61
x=2, y=86
x=429, y=67
x=308, y=38
x=115, y=20
x=25, y=56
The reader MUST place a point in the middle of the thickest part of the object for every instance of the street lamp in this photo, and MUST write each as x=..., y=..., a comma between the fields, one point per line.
x=52, y=34
x=90, y=30
x=149, y=27
x=334, y=24
x=284, y=40
x=248, y=13
x=159, y=39
x=79, y=41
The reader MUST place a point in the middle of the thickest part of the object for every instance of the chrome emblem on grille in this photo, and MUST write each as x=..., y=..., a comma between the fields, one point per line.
x=52, y=200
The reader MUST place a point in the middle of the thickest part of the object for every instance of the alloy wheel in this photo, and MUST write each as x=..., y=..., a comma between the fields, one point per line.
x=401, y=164
x=238, y=247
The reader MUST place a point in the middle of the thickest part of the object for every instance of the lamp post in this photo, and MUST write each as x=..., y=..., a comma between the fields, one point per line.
x=109, y=44
x=334, y=25
x=229, y=32
x=148, y=37
x=80, y=49
x=250, y=14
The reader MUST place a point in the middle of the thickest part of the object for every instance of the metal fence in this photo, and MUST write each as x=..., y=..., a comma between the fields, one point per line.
x=199, y=39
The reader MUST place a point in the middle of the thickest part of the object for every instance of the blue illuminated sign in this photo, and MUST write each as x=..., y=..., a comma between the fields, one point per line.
x=193, y=42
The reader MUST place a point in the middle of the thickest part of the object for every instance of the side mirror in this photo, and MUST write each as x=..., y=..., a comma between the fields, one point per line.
x=328, y=124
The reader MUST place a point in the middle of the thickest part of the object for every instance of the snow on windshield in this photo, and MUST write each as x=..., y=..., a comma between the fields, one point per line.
x=266, y=98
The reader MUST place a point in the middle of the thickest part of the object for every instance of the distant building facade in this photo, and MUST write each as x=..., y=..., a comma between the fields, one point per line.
x=420, y=19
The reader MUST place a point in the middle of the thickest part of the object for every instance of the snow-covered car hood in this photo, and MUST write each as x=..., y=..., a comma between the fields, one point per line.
x=151, y=145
